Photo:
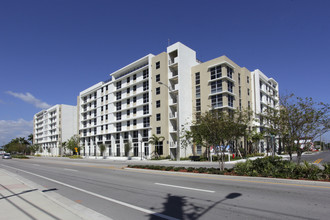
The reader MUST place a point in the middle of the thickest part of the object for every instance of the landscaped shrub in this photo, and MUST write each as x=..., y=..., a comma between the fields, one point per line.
x=19, y=156
x=191, y=169
x=169, y=168
x=202, y=170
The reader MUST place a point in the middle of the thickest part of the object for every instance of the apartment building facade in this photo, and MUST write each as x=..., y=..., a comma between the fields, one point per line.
x=160, y=95
x=54, y=126
x=265, y=95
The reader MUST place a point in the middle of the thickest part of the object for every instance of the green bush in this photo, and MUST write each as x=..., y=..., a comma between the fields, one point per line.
x=169, y=168
x=276, y=167
x=20, y=156
x=75, y=157
x=191, y=169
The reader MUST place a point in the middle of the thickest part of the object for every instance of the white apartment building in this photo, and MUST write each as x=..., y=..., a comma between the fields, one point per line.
x=161, y=94
x=265, y=95
x=54, y=126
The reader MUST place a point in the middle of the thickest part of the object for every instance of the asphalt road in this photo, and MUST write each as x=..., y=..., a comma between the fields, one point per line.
x=316, y=158
x=142, y=194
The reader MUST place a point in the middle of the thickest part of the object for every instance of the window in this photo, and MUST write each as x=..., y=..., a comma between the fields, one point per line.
x=159, y=147
x=239, y=92
x=230, y=100
x=145, y=86
x=118, y=95
x=198, y=91
x=134, y=77
x=102, y=89
x=101, y=101
x=106, y=117
x=118, y=85
x=216, y=86
x=248, y=79
x=106, y=97
x=216, y=101
x=101, y=108
x=106, y=127
x=134, y=122
x=128, y=79
x=158, y=65
x=146, y=109
x=128, y=101
x=146, y=122
x=106, y=88
x=134, y=99
x=158, y=130
x=197, y=78
x=101, y=118
x=128, y=123
x=198, y=105
x=145, y=133
x=248, y=91
x=134, y=111
x=229, y=72
x=128, y=112
x=230, y=86
x=216, y=72
x=134, y=88
x=157, y=90
x=145, y=98
x=158, y=117
x=249, y=105
x=118, y=126
x=128, y=91
x=240, y=105
x=145, y=74
x=157, y=77
x=118, y=116
x=118, y=106
x=239, y=79
x=158, y=104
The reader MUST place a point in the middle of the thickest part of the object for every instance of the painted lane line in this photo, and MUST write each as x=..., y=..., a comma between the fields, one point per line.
x=318, y=160
x=70, y=169
x=150, y=212
x=183, y=187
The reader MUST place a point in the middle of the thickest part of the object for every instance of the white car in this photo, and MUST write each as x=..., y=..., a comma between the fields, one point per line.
x=6, y=156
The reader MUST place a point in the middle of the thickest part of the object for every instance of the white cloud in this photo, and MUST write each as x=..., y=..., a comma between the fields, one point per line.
x=29, y=98
x=11, y=129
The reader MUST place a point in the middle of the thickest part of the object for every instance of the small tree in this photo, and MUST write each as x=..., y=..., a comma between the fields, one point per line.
x=73, y=144
x=127, y=148
x=220, y=129
x=102, y=148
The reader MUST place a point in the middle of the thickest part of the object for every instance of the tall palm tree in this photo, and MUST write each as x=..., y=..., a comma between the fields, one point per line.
x=30, y=139
x=154, y=140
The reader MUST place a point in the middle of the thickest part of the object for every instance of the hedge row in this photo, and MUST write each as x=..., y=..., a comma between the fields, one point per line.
x=262, y=167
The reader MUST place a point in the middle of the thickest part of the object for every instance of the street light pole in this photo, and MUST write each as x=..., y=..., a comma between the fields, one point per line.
x=177, y=122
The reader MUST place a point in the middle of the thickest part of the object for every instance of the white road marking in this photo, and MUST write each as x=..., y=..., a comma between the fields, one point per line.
x=70, y=169
x=183, y=187
x=100, y=196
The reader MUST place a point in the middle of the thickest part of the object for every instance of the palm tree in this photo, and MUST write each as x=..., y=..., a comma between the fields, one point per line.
x=154, y=140
x=30, y=139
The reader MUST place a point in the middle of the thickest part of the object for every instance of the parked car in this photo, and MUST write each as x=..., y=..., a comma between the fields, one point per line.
x=6, y=156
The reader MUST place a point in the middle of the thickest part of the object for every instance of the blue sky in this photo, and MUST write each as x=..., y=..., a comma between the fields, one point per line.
x=50, y=50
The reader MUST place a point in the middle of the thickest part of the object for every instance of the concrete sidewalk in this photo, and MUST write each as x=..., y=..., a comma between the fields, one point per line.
x=23, y=199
